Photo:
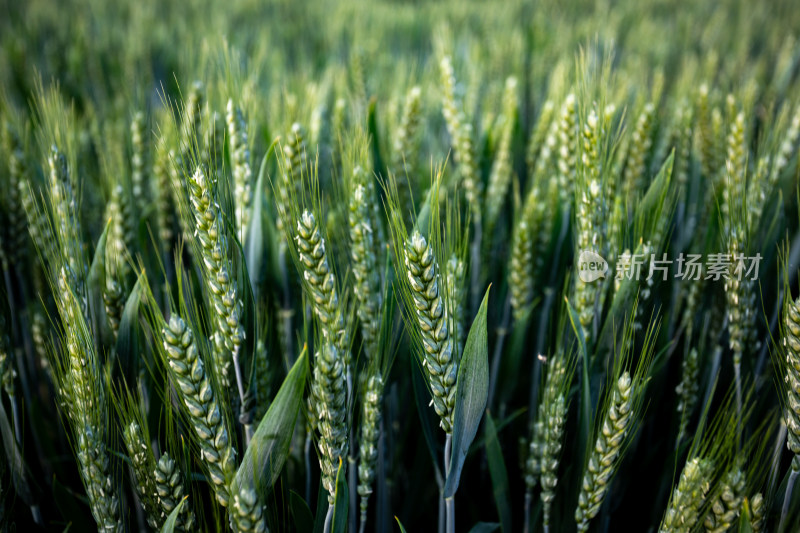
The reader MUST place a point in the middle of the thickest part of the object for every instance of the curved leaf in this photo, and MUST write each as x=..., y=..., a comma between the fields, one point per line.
x=264, y=458
x=301, y=513
x=94, y=289
x=341, y=501
x=256, y=240
x=172, y=519
x=402, y=529
x=127, y=348
x=472, y=390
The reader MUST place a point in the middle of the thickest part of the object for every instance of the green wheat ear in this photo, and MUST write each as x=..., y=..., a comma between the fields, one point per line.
x=170, y=491
x=198, y=397
x=365, y=248
x=547, y=438
x=329, y=397
x=791, y=343
x=238, y=143
x=368, y=443
x=688, y=498
x=144, y=466
x=616, y=420
x=247, y=515
x=432, y=316
x=725, y=508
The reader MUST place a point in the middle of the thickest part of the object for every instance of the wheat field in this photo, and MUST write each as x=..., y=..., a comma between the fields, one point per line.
x=400, y=266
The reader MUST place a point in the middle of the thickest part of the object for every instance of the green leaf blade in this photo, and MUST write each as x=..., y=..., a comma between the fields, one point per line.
x=269, y=448
x=472, y=390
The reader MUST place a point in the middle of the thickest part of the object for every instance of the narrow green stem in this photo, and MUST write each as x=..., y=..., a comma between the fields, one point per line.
x=787, y=498
x=307, y=461
x=777, y=451
x=352, y=482
x=248, y=428
x=502, y=332
x=541, y=337
x=328, y=520
x=528, y=501
x=474, y=267
x=441, y=514
x=286, y=313
x=17, y=419
x=737, y=371
x=450, y=503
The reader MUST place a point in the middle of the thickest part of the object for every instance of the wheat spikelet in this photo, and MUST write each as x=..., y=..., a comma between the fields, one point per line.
x=368, y=443
x=143, y=465
x=170, y=492
x=139, y=161
x=641, y=142
x=262, y=379
x=502, y=167
x=520, y=271
x=688, y=498
x=758, y=511
x=364, y=260
x=7, y=372
x=567, y=147
x=321, y=282
x=18, y=175
x=82, y=393
x=687, y=390
x=404, y=154
x=219, y=275
x=247, y=514
x=204, y=411
x=552, y=417
x=65, y=209
x=455, y=292
x=433, y=318
x=329, y=396
x=725, y=508
x=240, y=161
x=462, y=137
x=791, y=343
x=603, y=459
x=589, y=216
x=539, y=135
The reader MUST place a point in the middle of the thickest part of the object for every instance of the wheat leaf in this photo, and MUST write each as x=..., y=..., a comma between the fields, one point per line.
x=472, y=389
x=269, y=448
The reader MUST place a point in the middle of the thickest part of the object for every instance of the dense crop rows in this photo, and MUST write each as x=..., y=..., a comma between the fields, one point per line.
x=444, y=267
